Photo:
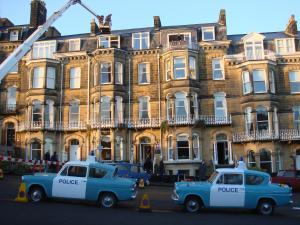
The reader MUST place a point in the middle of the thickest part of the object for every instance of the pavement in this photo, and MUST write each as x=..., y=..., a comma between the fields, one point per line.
x=164, y=211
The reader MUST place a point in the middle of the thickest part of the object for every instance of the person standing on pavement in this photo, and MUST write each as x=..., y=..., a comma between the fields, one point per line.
x=53, y=159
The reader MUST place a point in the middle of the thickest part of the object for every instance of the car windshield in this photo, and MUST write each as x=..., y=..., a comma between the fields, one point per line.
x=212, y=177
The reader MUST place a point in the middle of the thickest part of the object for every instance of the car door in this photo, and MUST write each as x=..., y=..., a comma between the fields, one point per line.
x=96, y=183
x=228, y=191
x=70, y=182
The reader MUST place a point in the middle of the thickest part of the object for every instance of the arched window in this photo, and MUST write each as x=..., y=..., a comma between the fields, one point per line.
x=265, y=160
x=183, y=148
x=251, y=159
x=37, y=116
x=10, y=134
x=11, y=99
x=106, y=148
x=196, y=147
x=36, y=150
x=74, y=113
x=181, y=106
x=105, y=108
x=262, y=118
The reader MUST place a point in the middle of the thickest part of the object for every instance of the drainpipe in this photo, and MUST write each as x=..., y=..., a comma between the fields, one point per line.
x=60, y=107
x=129, y=111
x=88, y=108
x=159, y=103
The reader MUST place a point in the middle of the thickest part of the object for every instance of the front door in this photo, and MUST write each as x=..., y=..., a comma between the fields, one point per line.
x=228, y=191
x=222, y=151
x=70, y=183
x=74, y=150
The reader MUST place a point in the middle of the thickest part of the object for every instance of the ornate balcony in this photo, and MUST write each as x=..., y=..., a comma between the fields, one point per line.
x=212, y=120
x=106, y=123
x=289, y=134
x=264, y=135
x=60, y=126
x=143, y=123
x=178, y=45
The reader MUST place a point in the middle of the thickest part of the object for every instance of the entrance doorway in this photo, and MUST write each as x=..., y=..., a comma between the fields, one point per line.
x=298, y=159
x=222, y=153
x=74, y=150
x=146, y=152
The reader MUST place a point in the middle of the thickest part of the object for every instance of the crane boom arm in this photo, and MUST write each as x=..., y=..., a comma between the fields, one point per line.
x=22, y=49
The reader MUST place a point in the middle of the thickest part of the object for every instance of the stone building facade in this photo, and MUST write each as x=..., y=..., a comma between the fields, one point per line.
x=182, y=94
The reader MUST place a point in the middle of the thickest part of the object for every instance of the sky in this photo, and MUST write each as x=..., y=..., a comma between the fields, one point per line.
x=243, y=16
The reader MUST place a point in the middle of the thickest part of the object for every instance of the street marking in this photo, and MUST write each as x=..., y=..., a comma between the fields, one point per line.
x=296, y=208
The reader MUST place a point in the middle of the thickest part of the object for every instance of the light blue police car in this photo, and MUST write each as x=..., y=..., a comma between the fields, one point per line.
x=233, y=188
x=83, y=180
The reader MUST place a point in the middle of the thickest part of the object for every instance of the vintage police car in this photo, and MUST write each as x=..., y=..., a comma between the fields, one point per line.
x=233, y=188
x=85, y=180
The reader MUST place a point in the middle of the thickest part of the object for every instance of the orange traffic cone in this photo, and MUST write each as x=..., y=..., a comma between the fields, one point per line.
x=1, y=174
x=145, y=204
x=22, y=196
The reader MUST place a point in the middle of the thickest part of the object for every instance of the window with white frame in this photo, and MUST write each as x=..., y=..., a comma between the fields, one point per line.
x=272, y=81
x=38, y=77
x=37, y=115
x=294, y=77
x=262, y=118
x=119, y=109
x=48, y=146
x=105, y=108
x=49, y=113
x=196, y=147
x=192, y=67
x=74, y=45
x=194, y=106
x=109, y=41
x=140, y=41
x=220, y=106
x=248, y=120
x=75, y=77
x=254, y=50
x=183, y=149
x=296, y=113
x=168, y=69
x=208, y=33
x=14, y=35
x=170, y=149
x=251, y=159
x=36, y=150
x=259, y=81
x=14, y=69
x=74, y=113
x=179, y=68
x=144, y=73
x=43, y=49
x=50, y=81
x=118, y=73
x=285, y=45
x=181, y=107
x=170, y=108
x=105, y=73
x=265, y=160
x=217, y=66
x=119, y=148
x=247, y=86
x=106, y=148
x=11, y=99
x=144, y=106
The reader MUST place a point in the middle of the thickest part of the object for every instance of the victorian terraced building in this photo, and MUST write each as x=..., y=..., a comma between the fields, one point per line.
x=182, y=93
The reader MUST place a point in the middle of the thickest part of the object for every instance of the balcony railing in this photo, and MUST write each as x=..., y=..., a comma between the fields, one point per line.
x=174, y=45
x=289, y=134
x=106, y=123
x=181, y=120
x=62, y=126
x=263, y=135
x=143, y=123
x=208, y=120
x=242, y=57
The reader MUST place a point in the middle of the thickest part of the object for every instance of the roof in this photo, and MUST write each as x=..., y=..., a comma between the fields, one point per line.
x=268, y=36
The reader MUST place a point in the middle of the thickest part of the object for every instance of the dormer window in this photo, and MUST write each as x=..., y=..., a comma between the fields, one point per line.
x=208, y=33
x=107, y=41
x=43, y=49
x=74, y=45
x=253, y=45
x=179, y=39
x=285, y=45
x=140, y=41
x=14, y=35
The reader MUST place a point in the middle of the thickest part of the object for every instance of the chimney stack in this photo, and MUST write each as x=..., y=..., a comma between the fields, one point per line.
x=157, y=23
x=291, y=28
x=94, y=28
x=222, y=17
x=38, y=13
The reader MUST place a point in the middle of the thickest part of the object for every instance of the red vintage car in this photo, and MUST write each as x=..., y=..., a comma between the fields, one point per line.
x=289, y=177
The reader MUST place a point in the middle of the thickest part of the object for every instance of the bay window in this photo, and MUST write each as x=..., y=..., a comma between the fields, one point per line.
x=247, y=86
x=50, y=82
x=179, y=68
x=170, y=108
x=119, y=109
x=294, y=77
x=183, y=149
x=272, y=81
x=259, y=81
x=170, y=148
x=248, y=120
x=262, y=119
x=118, y=73
x=196, y=147
x=37, y=115
x=105, y=73
x=181, y=107
x=192, y=67
x=38, y=77
x=168, y=69
x=296, y=115
x=105, y=108
x=49, y=113
x=11, y=99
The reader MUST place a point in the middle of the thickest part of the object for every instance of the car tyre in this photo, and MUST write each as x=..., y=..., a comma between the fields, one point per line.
x=108, y=200
x=193, y=204
x=36, y=194
x=265, y=207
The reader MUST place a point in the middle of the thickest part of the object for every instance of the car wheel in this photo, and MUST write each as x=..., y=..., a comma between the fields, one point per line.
x=193, y=204
x=108, y=200
x=265, y=207
x=36, y=194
